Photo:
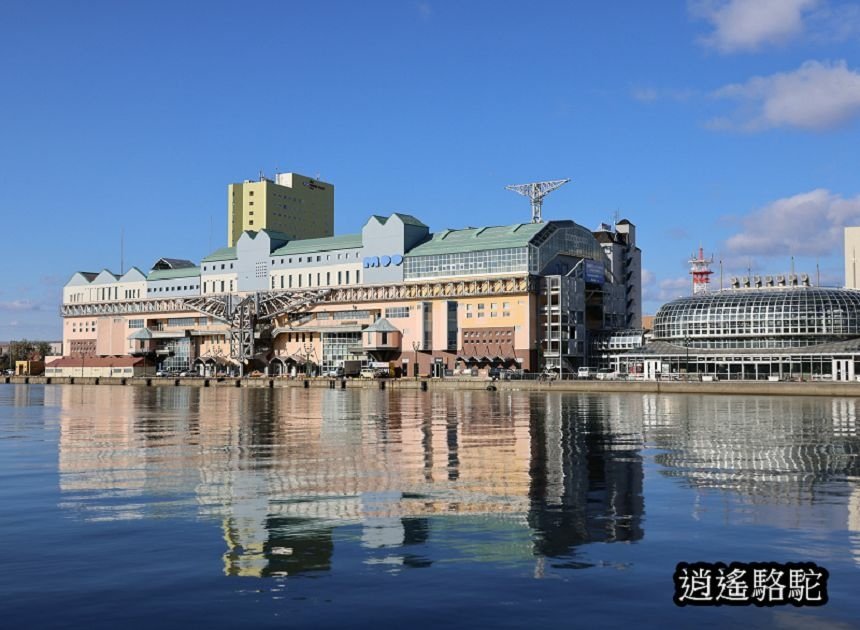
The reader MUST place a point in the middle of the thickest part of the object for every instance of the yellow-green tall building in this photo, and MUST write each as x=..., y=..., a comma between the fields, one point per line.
x=300, y=207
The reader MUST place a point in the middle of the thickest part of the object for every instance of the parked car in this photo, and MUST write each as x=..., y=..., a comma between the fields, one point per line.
x=335, y=373
x=585, y=372
x=368, y=373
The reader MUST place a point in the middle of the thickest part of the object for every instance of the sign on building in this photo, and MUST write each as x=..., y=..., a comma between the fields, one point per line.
x=593, y=272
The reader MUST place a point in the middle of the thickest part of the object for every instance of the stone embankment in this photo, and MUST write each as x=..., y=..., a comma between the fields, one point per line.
x=721, y=387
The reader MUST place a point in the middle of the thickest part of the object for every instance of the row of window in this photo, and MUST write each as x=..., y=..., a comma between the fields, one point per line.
x=317, y=258
x=493, y=306
x=212, y=286
x=480, y=314
x=488, y=261
x=186, y=287
x=475, y=334
x=300, y=280
x=215, y=267
x=83, y=326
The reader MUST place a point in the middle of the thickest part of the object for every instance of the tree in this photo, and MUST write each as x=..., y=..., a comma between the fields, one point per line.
x=21, y=350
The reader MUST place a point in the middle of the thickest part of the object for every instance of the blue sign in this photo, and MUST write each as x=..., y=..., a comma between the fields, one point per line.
x=594, y=273
x=382, y=261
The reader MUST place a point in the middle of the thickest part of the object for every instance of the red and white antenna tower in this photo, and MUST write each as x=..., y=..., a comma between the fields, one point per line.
x=700, y=269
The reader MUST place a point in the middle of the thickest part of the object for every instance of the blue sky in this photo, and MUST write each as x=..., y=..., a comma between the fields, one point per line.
x=727, y=124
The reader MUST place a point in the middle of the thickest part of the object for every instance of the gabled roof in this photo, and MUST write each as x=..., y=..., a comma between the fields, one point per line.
x=381, y=325
x=224, y=253
x=408, y=219
x=169, y=274
x=105, y=276
x=476, y=239
x=275, y=235
x=133, y=274
x=143, y=333
x=81, y=278
x=313, y=245
x=171, y=263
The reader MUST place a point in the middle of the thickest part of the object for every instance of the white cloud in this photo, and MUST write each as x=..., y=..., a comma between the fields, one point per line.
x=648, y=94
x=744, y=25
x=664, y=290
x=644, y=94
x=808, y=224
x=816, y=96
x=19, y=305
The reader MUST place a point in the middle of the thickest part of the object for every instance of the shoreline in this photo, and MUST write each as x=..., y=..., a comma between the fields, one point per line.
x=847, y=389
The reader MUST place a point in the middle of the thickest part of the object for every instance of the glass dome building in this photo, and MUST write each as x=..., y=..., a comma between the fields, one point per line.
x=760, y=318
x=771, y=333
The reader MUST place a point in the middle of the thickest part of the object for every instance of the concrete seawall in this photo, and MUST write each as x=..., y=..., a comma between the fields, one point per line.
x=652, y=387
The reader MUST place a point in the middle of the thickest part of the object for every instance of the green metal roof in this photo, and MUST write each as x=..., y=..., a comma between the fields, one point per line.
x=476, y=239
x=381, y=325
x=407, y=219
x=272, y=234
x=225, y=253
x=168, y=274
x=312, y=245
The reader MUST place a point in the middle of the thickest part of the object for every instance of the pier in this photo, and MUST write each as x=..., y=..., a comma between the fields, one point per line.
x=752, y=388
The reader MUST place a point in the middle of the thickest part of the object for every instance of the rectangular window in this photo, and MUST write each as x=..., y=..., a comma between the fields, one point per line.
x=347, y=277
x=339, y=277
x=135, y=323
x=397, y=311
x=181, y=321
x=328, y=278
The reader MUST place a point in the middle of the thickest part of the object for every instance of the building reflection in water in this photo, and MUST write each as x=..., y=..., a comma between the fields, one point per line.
x=293, y=474
x=282, y=470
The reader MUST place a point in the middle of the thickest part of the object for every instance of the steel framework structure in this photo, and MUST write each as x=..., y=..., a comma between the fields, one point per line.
x=536, y=191
x=246, y=314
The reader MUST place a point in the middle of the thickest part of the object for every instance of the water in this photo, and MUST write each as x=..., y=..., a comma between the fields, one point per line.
x=326, y=508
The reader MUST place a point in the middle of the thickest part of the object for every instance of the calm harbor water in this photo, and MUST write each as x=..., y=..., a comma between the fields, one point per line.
x=136, y=507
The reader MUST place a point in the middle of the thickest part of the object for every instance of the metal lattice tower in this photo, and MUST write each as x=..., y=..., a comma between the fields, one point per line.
x=536, y=191
x=700, y=269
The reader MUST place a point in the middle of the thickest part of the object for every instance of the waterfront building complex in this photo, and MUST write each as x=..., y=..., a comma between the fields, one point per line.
x=286, y=295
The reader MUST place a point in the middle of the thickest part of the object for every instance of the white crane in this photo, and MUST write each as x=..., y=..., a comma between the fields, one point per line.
x=536, y=191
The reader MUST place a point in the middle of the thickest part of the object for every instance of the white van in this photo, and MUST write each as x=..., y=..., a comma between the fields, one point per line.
x=586, y=372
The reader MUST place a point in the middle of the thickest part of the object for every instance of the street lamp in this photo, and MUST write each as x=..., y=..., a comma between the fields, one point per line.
x=416, y=345
x=308, y=348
